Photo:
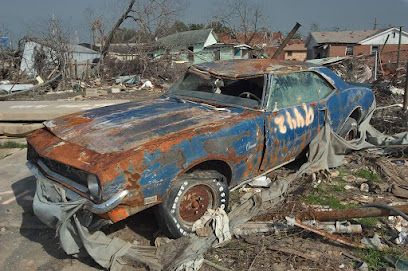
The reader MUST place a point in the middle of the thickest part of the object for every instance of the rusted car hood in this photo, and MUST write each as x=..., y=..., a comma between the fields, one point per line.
x=125, y=126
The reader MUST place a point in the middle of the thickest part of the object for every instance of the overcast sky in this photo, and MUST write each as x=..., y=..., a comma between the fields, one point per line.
x=20, y=17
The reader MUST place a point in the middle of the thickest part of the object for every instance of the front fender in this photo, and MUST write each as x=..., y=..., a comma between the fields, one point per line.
x=239, y=144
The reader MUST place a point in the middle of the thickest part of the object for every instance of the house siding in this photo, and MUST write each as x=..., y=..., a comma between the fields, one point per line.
x=336, y=50
x=297, y=56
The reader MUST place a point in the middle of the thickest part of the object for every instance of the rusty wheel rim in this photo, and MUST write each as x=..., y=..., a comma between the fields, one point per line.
x=195, y=202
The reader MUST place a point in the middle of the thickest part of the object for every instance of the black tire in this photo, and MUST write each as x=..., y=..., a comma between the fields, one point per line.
x=189, y=198
x=349, y=130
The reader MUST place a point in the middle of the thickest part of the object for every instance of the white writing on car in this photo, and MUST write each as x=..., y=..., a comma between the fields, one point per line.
x=293, y=119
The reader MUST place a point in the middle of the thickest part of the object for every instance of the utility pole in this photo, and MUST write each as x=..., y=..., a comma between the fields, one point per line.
x=399, y=47
x=375, y=23
x=286, y=40
x=405, y=105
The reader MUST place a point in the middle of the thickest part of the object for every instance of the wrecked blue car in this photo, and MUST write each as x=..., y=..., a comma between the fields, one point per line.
x=221, y=124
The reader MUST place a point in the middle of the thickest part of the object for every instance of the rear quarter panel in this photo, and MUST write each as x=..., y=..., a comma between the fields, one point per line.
x=346, y=99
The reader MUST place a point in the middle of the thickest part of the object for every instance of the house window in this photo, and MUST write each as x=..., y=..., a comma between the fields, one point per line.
x=349, y=50
x=237, y=52
x=374, y=49
x=290, y=53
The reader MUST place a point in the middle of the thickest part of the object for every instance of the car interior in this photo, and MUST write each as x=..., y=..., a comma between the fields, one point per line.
x=244, y=88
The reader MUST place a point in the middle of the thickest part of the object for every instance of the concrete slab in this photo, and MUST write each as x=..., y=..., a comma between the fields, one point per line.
x=18, y=129
x=45, y=110
x=26, y=244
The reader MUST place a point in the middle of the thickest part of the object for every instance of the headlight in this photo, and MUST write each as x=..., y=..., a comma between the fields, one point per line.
x=93, y=186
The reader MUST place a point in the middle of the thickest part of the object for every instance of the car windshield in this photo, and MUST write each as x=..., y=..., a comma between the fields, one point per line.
x=240, y=92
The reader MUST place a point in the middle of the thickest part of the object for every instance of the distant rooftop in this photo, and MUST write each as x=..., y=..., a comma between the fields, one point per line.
x=295, y=47
x=185, y=38
x=343, y=36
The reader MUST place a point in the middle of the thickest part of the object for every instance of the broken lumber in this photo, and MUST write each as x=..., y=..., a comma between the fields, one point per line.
x=349, y=213
x=327, y=235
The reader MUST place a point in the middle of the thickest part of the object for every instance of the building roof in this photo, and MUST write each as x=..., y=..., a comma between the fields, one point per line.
x=260, y=39
x=185, y=38
x=343, y=36
x=74, y=48
x=247, y=68
x=299, y=47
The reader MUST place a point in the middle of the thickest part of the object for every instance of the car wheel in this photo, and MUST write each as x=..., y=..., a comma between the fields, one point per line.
x=349, y=131
x=189, y=198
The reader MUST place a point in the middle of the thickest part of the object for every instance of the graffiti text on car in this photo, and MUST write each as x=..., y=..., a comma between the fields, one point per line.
x=293, y=118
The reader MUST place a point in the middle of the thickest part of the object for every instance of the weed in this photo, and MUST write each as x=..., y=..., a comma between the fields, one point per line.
x=12, y=145
x=375, y=258
x=368, y=221
x=330, y=201
x=368, y=175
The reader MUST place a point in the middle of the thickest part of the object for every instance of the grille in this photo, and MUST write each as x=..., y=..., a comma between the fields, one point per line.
x=69, y=172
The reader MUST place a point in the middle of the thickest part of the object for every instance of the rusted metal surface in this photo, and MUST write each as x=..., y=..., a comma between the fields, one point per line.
x=144, y=146
x=195, y=202
x=249, y=68
x=335, y=215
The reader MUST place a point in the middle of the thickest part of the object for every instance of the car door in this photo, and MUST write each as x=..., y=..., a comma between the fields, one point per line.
x=292, y=116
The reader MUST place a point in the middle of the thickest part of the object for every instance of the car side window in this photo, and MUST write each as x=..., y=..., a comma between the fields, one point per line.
x=323, y=88
x=293, y=89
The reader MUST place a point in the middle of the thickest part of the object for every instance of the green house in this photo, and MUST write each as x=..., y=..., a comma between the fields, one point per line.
x=198, y=46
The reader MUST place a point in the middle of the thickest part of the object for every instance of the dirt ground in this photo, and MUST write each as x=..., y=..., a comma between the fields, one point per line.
x=26, y=244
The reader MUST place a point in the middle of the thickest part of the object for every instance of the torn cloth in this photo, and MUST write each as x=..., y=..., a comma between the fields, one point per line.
x=72, y=225
x=327, y=149
x=219, y=223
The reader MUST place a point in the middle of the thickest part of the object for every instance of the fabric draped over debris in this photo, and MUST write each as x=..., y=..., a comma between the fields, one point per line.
x=77, y=230
x=74, y=228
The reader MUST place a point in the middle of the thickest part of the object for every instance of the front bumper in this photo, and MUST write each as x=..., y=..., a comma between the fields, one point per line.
x=78, y=191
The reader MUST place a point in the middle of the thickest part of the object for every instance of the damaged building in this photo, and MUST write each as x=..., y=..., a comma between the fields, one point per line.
x=355, y=43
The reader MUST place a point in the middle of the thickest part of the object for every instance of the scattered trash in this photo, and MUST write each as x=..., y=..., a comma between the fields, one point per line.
x=147, y=85
x=10, y=88
x=374, y=242
x=350, y=187
x=262, y=181
x=363, y=266
x=397, y=91
x=128, y=79
x=402, y=238
x=335, y=227
x=364, y=187
x=116, y=90
x=218, y=221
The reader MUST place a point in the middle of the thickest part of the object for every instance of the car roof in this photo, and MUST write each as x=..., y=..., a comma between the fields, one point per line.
x=248, y=68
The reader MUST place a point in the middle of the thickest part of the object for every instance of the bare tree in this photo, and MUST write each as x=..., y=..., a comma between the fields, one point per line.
x=152, y=18
x=243, y=18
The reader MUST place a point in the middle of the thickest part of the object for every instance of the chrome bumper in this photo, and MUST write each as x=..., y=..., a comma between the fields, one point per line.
x=100, y=208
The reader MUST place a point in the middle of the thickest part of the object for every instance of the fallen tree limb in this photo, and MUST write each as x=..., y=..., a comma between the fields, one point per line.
x=35, y=88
